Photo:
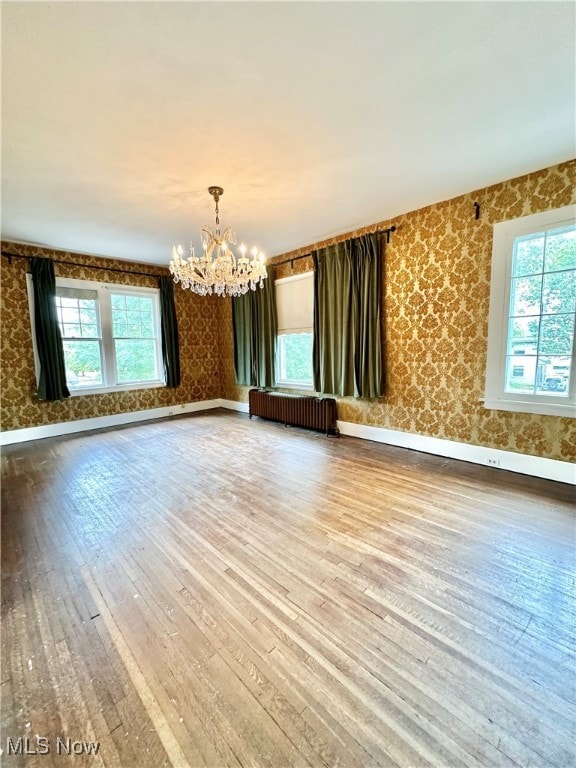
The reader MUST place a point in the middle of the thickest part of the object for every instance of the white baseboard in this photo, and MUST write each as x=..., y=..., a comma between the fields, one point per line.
x=562, y=471
x=234, y=405
x=551, y=469
x=117, y=419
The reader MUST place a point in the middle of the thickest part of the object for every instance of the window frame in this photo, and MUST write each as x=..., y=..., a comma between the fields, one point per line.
x=495, y=396
x=106, y=338
x=280, y=340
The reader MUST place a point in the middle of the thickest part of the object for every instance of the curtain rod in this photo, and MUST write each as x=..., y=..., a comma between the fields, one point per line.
x=11, y=256
x=386, y=232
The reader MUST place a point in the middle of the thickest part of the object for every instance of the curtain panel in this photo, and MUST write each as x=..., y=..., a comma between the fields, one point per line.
x=242, y=327
x=52, y=384
x=347, y=353
x=255, y=327
x=169, y=327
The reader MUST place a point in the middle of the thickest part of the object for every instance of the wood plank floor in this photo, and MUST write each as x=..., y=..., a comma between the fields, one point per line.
x=210, y=591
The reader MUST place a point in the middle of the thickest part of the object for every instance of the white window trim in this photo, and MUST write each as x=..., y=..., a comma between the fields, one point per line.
x=495, y=397
x=104, y=291
x=290, y=383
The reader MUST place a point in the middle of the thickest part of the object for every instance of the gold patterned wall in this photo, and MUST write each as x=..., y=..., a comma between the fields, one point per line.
x=437, y=288
x=198, y=320
x=436, y=296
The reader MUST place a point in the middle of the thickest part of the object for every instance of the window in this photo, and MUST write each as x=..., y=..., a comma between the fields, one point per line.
x=135, y=340
x=295, y=359
x=531, y=359
x=295, y=309
x=110, y=334
x=79, y=320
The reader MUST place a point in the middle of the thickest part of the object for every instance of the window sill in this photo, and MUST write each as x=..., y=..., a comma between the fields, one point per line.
x=79, y=391
x=565, y=410
x=295, y=385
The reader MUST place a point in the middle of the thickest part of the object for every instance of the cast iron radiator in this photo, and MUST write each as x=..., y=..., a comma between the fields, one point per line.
x=298, y=410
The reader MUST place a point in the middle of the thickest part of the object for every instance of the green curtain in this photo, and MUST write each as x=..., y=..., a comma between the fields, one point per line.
x=169, y=327
x=255, y=327
x=264, y=330
x=242, y=326
x=52, y=384
x=333, y=346
x=367, y=288
x=347, y=353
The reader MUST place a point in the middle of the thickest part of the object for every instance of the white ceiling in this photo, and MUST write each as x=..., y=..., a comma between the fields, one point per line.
x=316, y=118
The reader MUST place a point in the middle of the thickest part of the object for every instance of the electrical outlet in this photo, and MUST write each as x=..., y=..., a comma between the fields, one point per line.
x=493, y=462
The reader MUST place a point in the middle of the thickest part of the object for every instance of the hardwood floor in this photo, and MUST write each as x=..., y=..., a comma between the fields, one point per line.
x=209, y=591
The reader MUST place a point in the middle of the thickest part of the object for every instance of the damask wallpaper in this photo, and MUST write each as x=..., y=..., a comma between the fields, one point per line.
x=198, y=321
x=436, y=296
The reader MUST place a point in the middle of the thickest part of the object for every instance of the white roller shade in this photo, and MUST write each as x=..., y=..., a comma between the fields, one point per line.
x=295, y=303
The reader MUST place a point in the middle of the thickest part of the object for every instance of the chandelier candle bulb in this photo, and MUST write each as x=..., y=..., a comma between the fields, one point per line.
x=218, y=270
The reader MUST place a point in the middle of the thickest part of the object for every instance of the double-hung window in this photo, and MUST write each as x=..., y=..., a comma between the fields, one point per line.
x=295, y=310
x=531, y=355
x=110, y=334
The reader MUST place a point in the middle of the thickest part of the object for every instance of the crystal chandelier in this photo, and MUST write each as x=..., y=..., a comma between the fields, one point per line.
x=221, y=272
